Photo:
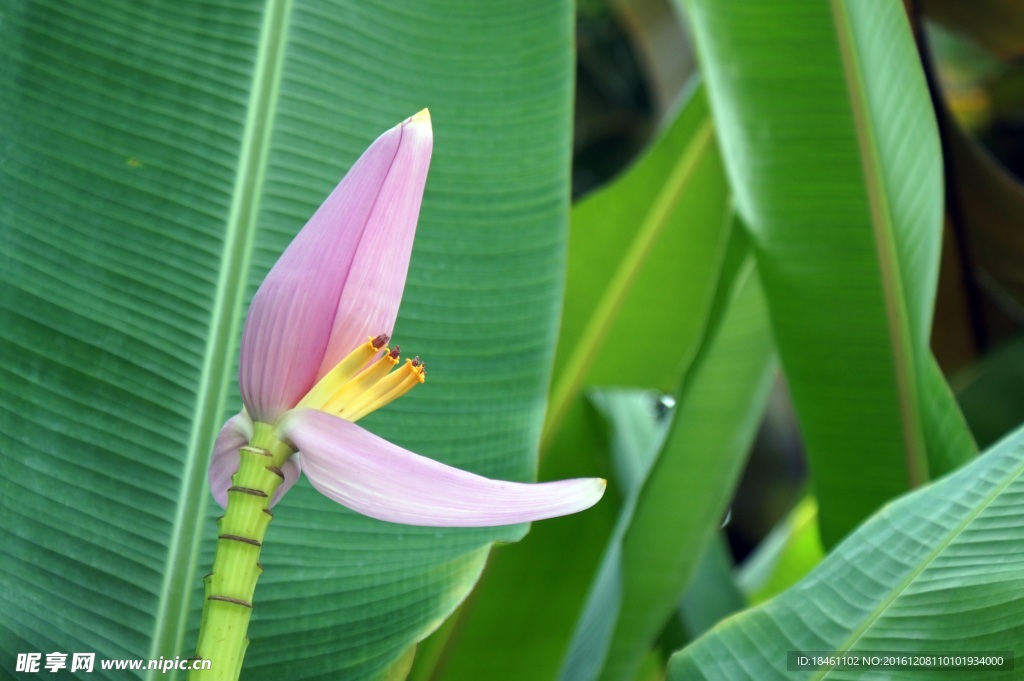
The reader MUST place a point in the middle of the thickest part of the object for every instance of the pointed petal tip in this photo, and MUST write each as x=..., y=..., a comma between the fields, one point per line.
x=591, y=491
x=422, y=118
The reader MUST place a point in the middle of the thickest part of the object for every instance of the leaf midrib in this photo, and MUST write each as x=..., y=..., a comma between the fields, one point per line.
x=171, y=616
x=600, y=322
x=888, y=264
x=924, y=563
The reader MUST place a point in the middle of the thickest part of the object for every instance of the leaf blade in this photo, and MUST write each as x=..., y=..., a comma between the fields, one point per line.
x=825, y=125
x=130, y=124
x=928, y=555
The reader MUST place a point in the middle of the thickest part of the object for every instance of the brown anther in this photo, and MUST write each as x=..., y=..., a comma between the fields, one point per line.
x=394, y=353
x=416, y=362
x=380, y=341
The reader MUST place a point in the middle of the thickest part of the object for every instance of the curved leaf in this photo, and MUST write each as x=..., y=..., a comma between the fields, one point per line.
x=675, y=502
x=938, y=570
x=687, y=492
x=637, y=435
x=665, y=224
x=785, y=556
x=158, y=157
x=830, y=143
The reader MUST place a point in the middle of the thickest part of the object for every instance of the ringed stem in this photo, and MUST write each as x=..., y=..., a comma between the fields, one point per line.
x=228, y=602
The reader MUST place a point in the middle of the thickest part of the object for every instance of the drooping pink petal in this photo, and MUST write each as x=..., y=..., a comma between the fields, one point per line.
x=236, y=433
x=376, y=478
x=373, y=290
x=308, y=304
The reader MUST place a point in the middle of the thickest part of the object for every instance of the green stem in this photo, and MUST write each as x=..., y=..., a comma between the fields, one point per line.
x=232, y=582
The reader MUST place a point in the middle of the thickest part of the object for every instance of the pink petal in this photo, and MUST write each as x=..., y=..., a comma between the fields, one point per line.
x=234, y=434
x=309, y=302
x=373, y=290
x=376, y=478
x=291, y=469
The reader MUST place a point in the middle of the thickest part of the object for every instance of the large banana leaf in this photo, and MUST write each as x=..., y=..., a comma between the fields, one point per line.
x=940, y=570
x=683, y=499
x=156, y=159
x=658, y=230
x=664, y=225
x=830, y=143
x=636, y=433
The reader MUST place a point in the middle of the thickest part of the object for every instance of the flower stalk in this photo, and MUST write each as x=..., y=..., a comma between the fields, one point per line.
x=240, y=532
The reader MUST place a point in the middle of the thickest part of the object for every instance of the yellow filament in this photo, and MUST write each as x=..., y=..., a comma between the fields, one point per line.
x=335, y=379
x=387, y=390
x=364, y=381
x=352, y=392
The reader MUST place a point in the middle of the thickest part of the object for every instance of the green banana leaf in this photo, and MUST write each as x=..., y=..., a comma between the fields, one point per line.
x=711, y=596
x=830, y=142
x=686, y=494
x=664, y=223
x=784, y=557
x=157, y=157
x=637, y=434
x=939, y=570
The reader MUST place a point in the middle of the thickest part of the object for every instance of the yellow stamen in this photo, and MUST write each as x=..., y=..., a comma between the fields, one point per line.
x=387, y=390
x=363, y=382
x=352, y=391
x=335, y=379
